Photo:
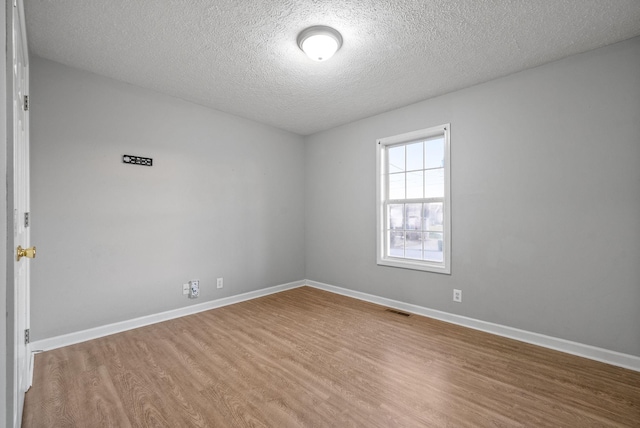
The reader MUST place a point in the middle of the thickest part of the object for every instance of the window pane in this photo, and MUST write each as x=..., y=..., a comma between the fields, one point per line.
x=433, y=246
x=434, y=183
x=396, y=186
x=396, y=216
x=396, y=159
x=415, y=157
x=432, y=217
x=396, y=244
x=415, y=184
x=414, y=216
x=434, y=153
x=413, y=245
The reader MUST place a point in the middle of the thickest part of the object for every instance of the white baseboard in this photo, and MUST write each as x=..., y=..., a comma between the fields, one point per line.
x=599, y=354
x=106, y=330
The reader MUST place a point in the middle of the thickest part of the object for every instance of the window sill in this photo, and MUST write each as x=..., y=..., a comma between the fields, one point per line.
x=415, y=265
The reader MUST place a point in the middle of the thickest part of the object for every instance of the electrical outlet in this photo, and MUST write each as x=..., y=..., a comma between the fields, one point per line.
x=220, y=283
x=457, y=295
x=194, y=289
x=185, y=289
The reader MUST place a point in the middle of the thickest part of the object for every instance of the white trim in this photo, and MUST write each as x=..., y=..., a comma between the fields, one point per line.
x=106, y=330
x=434, y=131
x=382, y=196
x=619, y=359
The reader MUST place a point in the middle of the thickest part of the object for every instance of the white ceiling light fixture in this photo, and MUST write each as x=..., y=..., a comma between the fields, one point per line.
x=319, y=42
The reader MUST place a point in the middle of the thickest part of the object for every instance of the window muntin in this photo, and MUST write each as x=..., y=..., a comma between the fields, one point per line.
x=414, y=203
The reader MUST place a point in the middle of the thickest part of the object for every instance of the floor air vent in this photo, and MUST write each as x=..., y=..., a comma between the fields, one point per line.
x=397, y=312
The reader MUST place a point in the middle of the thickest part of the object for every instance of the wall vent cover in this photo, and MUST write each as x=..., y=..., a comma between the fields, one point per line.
x=397, y=312
x=137, y=160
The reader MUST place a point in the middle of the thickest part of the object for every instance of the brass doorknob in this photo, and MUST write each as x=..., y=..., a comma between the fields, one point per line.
x=25, y=252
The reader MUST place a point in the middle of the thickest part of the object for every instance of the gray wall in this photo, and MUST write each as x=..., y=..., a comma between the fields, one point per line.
x=224, y=198
x=545, y=201
x=545, y=184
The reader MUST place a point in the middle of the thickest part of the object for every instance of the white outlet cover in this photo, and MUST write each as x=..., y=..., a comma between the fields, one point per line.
x=185, y=288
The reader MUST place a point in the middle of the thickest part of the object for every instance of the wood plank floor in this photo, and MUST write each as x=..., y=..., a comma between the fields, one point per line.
x=309, y=358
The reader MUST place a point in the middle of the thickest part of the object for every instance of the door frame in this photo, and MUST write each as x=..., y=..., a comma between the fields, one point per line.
x=15, y=339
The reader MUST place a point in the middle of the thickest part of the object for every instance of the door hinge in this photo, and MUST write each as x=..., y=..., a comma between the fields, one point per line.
x=26, y=103
x=26, y=336
x=26, y=219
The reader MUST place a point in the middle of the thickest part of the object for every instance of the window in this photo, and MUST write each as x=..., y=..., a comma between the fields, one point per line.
x=414, y=203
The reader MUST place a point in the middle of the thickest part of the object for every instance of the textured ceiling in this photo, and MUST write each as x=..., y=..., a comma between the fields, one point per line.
x=241, y=57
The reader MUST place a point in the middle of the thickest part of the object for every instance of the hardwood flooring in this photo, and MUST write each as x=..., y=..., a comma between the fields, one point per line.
x=309, y=358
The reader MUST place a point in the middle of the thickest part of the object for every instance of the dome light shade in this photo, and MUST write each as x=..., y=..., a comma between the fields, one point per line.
x=319, y=42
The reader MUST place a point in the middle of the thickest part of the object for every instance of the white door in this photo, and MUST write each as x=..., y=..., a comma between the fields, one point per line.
x=22, y=356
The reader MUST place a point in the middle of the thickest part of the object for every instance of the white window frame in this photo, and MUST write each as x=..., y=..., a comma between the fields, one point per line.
x=382, y=144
